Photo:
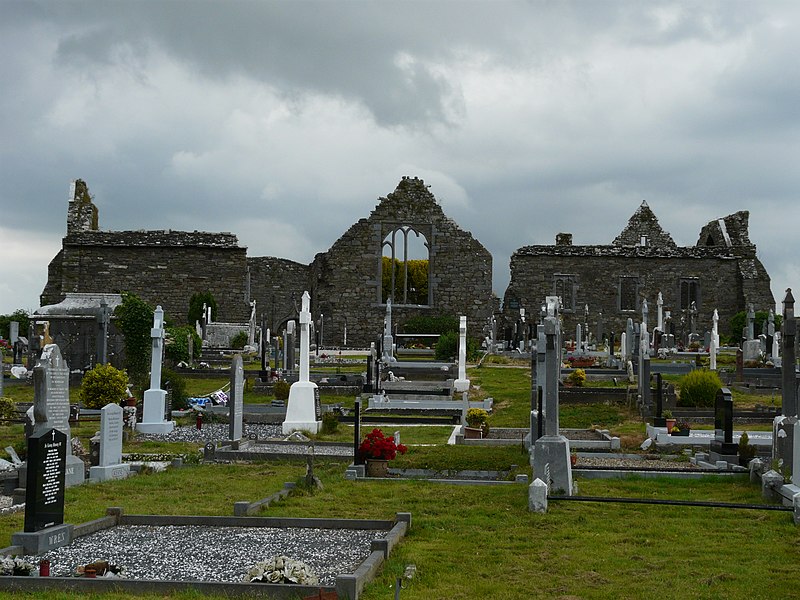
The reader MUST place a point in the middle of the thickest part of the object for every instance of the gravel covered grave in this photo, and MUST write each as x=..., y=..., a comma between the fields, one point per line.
x=204, y=553
x=214, y=431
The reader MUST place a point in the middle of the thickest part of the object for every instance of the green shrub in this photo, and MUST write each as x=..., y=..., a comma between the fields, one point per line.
x=577, y=378
x=739, y=322
x=134, y=318
x=699, y=388
x=196, y=306
x=8, y=408
x=239, y=340
x=176, y=347
x=447, y=347
x=747, y=451
x=177, y=387
x=103, y=385
x=424, y=324
x=477, y=417
x=329, y=423
x=281, y=390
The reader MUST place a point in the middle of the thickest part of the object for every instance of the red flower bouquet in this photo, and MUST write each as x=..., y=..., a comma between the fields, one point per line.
x=381, y=447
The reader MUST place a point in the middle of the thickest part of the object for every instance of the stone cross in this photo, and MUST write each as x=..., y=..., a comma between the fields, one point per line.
x=751, y=317
x=788, y=374
x=660, y=306
x=462, y=383
x=251, y=334
x=388, y=340
x=551, y=460
x=776, y=349
x=645, y=312
x=303, y=408
x=155, y=398
x=692, y=317
x=623, y=347
x=629, y=339
x=102, y=333
x=236, y=399
x=578, y=338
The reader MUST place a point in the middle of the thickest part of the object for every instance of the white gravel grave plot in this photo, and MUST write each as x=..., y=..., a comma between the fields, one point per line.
x=205, y=553
x=212, y=432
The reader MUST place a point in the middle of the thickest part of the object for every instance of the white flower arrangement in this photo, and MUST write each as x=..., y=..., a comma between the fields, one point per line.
x=15, y=566
x=282, y=569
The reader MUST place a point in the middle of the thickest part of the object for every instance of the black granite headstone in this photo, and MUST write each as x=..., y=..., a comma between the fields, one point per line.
x=723, y=423
x=44, y=494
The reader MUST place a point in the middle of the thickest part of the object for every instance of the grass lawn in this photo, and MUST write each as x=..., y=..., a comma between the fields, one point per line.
x=481, y=541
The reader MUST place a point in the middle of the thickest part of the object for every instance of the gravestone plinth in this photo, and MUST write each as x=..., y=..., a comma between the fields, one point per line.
x=44, y=494
x=110, y=465
x=154, y=403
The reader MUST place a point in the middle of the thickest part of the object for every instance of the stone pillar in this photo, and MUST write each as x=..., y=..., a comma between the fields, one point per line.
x=660, y=306
x=789, y=331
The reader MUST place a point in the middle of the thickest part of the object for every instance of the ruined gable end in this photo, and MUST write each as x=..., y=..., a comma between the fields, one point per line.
x=81, y=211
x=728, y=232
x=643, y=229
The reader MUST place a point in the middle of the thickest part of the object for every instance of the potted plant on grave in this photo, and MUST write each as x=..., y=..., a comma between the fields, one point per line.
x=378, y=449
x=670, y=420
x=681, y=427
x=476, y=421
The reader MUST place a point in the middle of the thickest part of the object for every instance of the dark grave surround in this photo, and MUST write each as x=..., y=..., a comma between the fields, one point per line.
x=44, y=494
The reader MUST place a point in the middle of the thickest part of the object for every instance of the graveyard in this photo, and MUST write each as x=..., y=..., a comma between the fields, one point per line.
x=578, y=484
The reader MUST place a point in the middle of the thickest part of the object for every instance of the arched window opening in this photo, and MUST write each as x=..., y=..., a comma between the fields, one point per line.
x=404, y=267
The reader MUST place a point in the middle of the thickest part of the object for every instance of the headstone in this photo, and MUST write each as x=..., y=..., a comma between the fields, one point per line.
x=723, y=443
x=770, y=330
x=236, y=399
x=290, y=360
x=739, y=365
x=788, y=372
x=51, y=405
x=645, y=312
x=551, y=455
x=44, y=494
x=155, y=398
x=623, y=347
x=776, y=349
x=579, y=338
x=751, y=319
x=752, y=350
x=712, y=354
x=302, y=408
x=629, y=339
x=462, y=383
x=13, y=331
x=110, y=465
x=388, y=340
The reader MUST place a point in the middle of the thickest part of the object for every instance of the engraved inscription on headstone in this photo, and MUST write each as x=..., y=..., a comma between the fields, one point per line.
x=317, y=404
x=44, y=494
x=236, y=398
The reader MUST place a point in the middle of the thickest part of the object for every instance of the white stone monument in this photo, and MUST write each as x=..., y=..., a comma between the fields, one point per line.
x=303, y=409
x=388, y=341
x=660, y=307
x=714, y=345
x=111, y=465
x=155, y=398
x=462, y=383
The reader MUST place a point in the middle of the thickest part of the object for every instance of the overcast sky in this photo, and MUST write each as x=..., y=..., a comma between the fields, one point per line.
x=284, y=122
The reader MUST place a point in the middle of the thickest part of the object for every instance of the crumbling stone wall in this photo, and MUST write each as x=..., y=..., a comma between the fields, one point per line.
x=162, y=267
x=277, y=286
x=345, y=279
x=167, y=267
x=728, y=273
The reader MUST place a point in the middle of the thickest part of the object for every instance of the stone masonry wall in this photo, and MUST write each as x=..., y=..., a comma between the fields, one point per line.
x=272, y=283
x=346, y=283
x=163, y=268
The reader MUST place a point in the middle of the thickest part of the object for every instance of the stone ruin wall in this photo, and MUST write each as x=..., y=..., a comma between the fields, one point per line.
x=161, y=267
x=273, y=281
x=598, y=280
x=345, y=279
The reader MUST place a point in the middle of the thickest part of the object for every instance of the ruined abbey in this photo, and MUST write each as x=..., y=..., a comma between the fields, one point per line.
x=409, y=252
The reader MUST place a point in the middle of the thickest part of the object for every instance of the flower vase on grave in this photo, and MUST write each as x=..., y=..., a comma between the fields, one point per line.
x=473, y=433
x=377, y=467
